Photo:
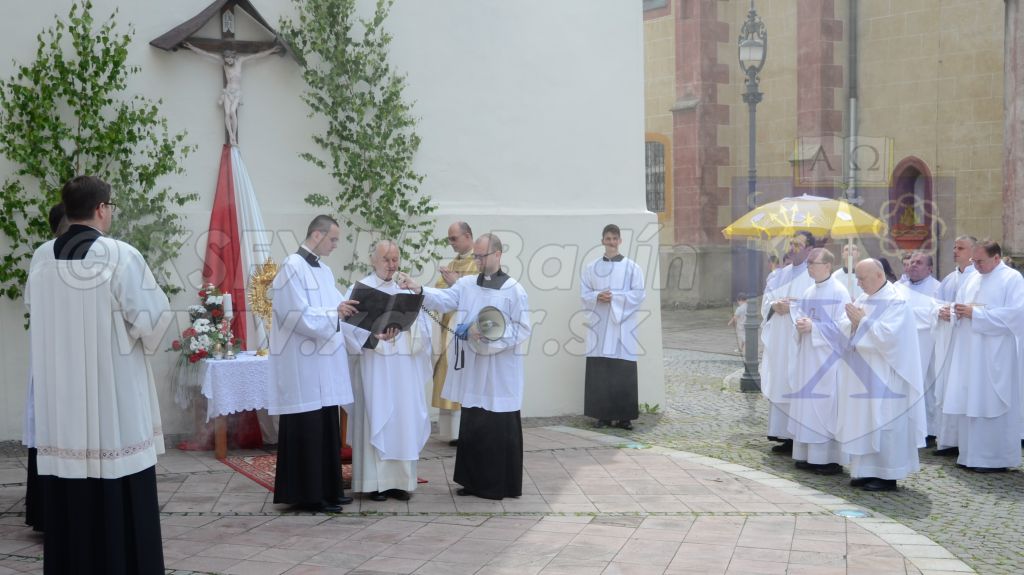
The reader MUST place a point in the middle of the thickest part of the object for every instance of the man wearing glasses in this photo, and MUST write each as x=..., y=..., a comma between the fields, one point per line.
x=485, y=373
x=98, y=310
x=460, y=237
x=987, y=363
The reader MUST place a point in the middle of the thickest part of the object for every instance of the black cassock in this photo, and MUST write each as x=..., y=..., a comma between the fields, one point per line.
x=611, y=389
x=309, y=458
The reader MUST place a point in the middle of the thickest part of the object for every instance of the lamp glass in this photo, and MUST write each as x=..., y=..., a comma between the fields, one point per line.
x=751, y=53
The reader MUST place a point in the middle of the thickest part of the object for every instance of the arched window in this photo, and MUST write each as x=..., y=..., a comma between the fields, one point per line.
x=910, y=196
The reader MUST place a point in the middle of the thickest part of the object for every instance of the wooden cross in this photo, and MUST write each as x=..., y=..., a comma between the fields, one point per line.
x=226, y=50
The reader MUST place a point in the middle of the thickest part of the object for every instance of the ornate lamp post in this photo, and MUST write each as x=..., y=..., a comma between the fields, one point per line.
x=753, y=47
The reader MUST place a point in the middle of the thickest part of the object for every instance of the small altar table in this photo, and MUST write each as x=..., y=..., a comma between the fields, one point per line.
x=232, y=386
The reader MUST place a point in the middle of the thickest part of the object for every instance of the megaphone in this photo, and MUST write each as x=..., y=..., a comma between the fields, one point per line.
x=490, y=323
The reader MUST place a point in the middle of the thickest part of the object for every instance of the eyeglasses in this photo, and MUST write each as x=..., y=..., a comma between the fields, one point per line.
x=112, y=205
x=482, y=256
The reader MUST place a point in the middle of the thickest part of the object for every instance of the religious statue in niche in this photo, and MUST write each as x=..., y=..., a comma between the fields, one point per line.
x=231, y=95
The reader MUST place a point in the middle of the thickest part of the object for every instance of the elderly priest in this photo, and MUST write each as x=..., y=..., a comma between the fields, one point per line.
x=882, y=418
x=390, y=423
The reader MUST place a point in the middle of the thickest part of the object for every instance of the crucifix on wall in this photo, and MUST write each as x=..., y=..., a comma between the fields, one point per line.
x=226, y=50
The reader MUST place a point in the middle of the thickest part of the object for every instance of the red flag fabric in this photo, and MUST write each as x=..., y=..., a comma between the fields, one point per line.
x=222, y=267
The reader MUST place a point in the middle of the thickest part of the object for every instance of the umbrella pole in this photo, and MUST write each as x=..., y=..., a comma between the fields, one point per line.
x=849, y=266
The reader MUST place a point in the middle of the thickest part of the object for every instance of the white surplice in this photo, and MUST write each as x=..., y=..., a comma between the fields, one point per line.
x=612, y=326
x=922, y=297
x=309, y=346
x=390, y=423
x=778, y=335
x=849, y=282
x=947, y=425
x=882, y=419
x=985, y=370
x=485, y=374
x=814, y=412
x=93, y=322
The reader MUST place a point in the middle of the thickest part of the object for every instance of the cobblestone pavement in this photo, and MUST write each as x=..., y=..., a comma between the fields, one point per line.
x=979, y=518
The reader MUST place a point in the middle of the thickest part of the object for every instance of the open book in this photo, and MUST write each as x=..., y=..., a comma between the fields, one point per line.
x=380, y=310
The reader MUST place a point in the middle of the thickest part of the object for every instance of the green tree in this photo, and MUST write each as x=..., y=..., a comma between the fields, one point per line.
x=65, y=114
x=369, y=139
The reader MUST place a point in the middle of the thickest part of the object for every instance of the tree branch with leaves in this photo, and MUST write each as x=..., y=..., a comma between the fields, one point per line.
x=67, y=113
x=369, y=139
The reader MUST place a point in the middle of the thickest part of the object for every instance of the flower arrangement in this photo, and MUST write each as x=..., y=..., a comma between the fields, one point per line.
x=210, y=331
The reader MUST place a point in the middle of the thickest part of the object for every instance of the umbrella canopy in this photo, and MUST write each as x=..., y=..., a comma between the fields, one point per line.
x=820, y=216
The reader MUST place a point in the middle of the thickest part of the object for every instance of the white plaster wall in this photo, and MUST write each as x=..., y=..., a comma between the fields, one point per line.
x=531, y=115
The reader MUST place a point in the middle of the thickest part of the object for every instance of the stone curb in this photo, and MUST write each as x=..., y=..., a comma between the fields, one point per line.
x=928, y=556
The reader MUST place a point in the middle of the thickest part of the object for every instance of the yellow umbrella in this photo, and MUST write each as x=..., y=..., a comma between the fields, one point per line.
x=820, y=216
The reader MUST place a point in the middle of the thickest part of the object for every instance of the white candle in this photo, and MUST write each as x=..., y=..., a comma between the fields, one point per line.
x=229, y=312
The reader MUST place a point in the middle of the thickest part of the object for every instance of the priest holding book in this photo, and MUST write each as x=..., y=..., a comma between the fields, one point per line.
x=390, y=423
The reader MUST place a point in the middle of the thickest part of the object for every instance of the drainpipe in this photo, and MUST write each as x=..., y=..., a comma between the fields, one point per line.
x=852, y=194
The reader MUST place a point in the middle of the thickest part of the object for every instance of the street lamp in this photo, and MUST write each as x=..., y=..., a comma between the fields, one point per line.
x=753, y=47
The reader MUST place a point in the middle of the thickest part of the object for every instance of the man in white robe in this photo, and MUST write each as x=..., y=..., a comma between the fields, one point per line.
x=96, y=313
x=390, y=423
x=485, y=374
x=986, y=367
x=813, y=408
x=778, y=335
x=309, y=345
x=921, y=291
x=947, y=332
x=612, y=290
x=882, y=418
x=844, y=274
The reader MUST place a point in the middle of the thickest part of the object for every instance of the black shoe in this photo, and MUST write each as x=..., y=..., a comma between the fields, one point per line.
x=828, y=469
x=773, y=438
x=343, y=500
x=463, y=492
x=454, y=443
x=624, y=424
x=929, y=441
x=330, y=508
x=377, y=496
x=860, y=481
x=602, y=423
x=947, y=452
x=880, y=485
x=802, y=465
x=784, y=447
x=987, y=469
x=398, y=494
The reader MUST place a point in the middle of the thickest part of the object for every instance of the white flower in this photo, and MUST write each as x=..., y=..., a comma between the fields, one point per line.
x=201, y=325
x=204, y=341
x=193, y=345
x=214, y=300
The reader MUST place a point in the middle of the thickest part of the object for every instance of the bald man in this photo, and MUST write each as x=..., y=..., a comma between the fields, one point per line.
x=882, y=418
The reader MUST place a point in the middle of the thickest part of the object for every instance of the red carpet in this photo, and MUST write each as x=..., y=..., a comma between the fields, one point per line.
x=261, y=469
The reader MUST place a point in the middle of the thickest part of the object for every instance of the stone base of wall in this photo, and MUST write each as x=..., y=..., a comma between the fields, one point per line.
x=693, y=277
